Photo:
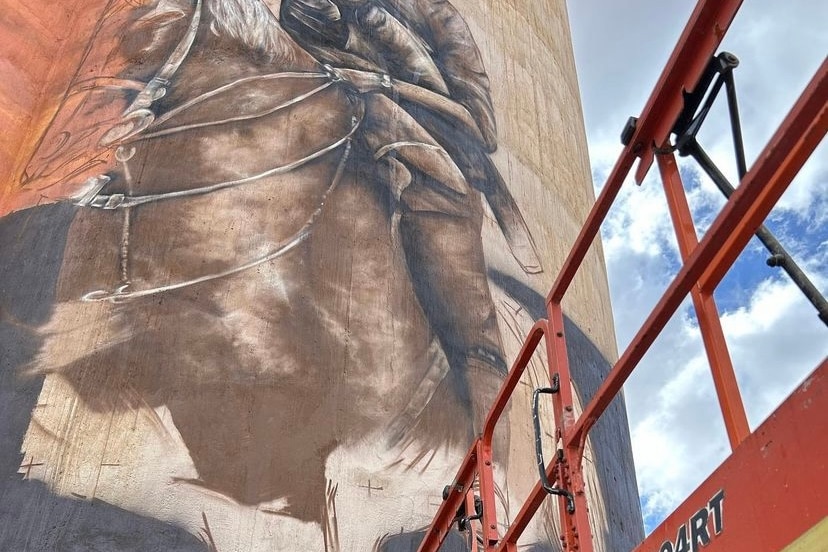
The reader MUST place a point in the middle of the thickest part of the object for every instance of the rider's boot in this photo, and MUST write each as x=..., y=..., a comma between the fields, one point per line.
x=440, y=232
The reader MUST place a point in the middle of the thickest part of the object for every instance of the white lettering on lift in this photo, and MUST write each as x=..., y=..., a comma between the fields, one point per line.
x=696, y=533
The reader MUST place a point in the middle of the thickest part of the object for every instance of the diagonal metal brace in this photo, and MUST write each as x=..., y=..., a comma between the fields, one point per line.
x=698, y=103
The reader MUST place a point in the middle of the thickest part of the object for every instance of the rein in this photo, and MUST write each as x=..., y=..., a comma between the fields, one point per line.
x=207, y=95
x=120, y=201
x=122, y=293
x=93, y=198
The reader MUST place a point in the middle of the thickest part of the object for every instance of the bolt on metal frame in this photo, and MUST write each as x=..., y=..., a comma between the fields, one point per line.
x=704, y=265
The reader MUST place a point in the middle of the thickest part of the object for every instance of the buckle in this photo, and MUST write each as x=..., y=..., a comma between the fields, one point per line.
x=89, y=192
x=107, y=202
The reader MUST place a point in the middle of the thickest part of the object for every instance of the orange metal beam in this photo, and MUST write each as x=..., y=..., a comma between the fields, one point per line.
x=487, y=486
x=530, y=345
x=591, y=226
x=721, y=367
x=575, y=529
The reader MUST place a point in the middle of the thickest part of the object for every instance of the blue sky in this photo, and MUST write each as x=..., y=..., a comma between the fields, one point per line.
x=774, y=335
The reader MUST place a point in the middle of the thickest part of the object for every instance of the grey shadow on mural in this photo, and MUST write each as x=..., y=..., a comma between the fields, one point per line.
x=32, y=517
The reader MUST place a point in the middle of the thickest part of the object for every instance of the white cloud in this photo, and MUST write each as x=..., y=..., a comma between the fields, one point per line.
x=773, y=333
x=772, y=367
x=678, y=435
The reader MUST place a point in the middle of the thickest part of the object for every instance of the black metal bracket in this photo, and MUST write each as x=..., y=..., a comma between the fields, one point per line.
x=697, y=105
x=544, y=480
x=461, y=516
x=463, y=523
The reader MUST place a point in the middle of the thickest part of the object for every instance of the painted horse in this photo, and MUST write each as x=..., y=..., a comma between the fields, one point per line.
x=281, y=255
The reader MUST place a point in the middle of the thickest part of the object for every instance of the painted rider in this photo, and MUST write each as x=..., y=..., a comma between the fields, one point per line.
x=430, y=125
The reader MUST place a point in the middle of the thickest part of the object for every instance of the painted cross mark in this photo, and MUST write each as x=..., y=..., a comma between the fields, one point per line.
x=370, y=487
x=28, y=467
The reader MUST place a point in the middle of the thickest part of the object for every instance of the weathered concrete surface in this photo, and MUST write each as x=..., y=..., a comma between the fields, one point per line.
x=150, y=438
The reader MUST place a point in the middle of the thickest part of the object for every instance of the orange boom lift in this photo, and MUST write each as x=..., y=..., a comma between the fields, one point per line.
x=772, y=491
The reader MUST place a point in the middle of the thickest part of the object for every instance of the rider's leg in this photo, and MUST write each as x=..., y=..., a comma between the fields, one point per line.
x=440, y=234
x=441, y=217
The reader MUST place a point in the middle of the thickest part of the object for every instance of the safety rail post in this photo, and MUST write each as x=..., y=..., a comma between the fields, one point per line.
x=539, y=331
x=475, y=462
x=487, y=486
x=575, y=529
x=710, y=325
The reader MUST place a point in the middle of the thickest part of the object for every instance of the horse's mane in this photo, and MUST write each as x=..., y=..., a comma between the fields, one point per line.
x=251, y=23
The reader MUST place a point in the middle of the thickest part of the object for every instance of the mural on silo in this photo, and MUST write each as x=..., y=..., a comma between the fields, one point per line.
x=271, y=324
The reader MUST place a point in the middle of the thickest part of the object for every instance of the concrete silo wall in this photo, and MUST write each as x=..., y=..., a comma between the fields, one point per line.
x=264, y=266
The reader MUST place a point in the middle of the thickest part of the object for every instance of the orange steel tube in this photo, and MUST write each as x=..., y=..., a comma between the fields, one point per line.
x=487, y=486
x=698, y=43
x=591, y=226
x=575, y=527
x=747, y=208
x=480, y=452
x=721, y=367
x=538, y=331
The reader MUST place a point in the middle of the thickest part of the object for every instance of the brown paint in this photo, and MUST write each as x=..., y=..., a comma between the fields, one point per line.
x=360, y=334
x=43, y=44
x=259, y=389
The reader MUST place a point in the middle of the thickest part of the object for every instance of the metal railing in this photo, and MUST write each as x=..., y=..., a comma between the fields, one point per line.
x=704, y=265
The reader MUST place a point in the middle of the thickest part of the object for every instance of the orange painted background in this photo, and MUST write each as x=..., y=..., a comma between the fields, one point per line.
x=42, y=44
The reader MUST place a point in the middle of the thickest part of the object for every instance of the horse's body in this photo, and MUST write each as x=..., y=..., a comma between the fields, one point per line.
x=267, y=370
x=274, y=315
